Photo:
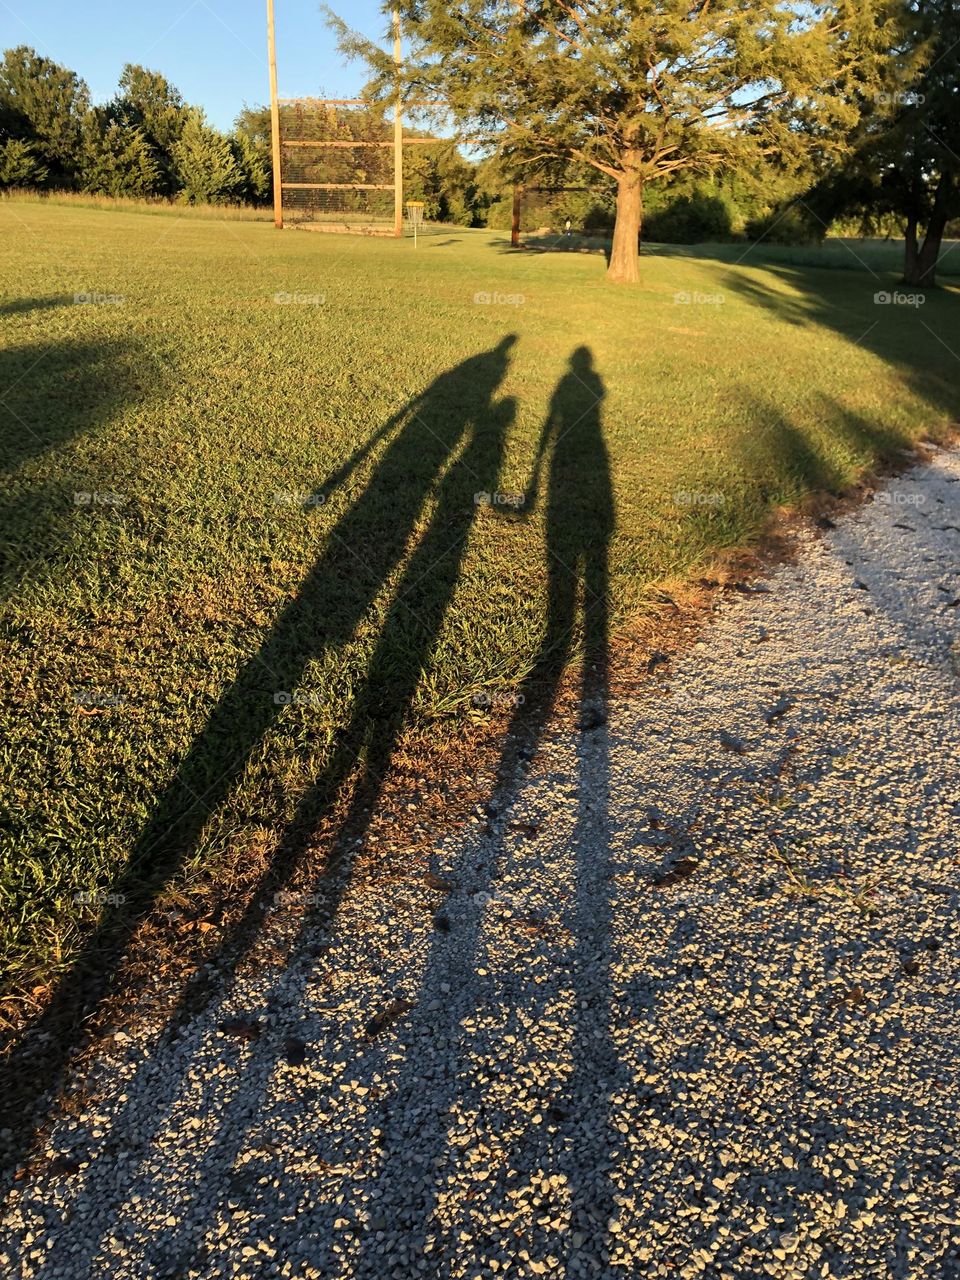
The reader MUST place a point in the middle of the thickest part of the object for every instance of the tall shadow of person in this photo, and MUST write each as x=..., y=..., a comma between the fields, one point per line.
x=575, y=1143
x=446, y=444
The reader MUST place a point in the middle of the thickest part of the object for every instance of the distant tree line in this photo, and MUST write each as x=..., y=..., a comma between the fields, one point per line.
x=146, y=141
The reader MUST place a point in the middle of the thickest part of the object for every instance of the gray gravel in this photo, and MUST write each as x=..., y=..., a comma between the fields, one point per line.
x=686, y=1007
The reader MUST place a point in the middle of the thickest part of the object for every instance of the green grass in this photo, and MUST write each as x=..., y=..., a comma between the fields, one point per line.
x=836, y=253
x=160, y=205
x=146, y=630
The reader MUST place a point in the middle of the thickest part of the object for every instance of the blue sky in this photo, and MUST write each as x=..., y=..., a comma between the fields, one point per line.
x=214, y=51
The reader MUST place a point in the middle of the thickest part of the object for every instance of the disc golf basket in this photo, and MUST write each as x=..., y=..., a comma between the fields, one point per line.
x=415, y=217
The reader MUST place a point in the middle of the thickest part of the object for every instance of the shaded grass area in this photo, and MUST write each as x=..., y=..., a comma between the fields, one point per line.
x=275, y=504
x=836, y=253
x=882, y=258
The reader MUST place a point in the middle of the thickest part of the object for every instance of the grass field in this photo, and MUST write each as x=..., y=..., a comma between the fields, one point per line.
x=882, y=257
x=241, y=534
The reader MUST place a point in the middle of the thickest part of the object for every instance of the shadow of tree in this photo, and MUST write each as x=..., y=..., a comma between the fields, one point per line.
x=23, y=306
x=918, y=342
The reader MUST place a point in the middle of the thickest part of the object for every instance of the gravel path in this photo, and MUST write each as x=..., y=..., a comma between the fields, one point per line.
x=686, y=1005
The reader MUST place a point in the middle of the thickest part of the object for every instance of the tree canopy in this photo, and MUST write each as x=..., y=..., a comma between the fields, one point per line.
x=146, y=141
x=640, y=90
x=904, y=159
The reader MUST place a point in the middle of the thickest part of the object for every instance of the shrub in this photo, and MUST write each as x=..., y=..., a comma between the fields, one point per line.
x=689, y=219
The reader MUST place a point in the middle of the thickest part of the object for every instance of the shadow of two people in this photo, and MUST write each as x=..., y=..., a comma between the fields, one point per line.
x=439, y=448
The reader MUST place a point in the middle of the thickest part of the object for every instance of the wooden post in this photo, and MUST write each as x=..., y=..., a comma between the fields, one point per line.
x=397, y=132
x=515, y=223
x=274, y=119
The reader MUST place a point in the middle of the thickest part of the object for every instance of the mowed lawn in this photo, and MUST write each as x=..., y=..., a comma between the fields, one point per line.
x=241, y=534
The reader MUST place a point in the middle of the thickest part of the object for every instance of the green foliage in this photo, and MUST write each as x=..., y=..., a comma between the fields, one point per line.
x=692, y=218
x=639, y=92
x=904, y=162
x=19, y=166
x=117, y=158
x=789, y=224
x=146, y=142
x=206, y=168
x=43, y=105
x=444, y=181
x=254, y=185
x=148, y=102
x=252, y=150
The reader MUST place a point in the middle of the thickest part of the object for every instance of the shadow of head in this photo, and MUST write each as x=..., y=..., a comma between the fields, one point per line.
x=20, y=306
x=581, y=361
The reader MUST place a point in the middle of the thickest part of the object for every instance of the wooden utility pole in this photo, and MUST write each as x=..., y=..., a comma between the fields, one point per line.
x=274, y=119
x=397, y=131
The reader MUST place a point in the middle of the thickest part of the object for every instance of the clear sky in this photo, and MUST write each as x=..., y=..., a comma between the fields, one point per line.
x=214, y=51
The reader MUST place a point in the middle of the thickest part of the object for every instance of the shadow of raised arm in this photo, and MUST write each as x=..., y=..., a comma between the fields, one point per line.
x=363, y=451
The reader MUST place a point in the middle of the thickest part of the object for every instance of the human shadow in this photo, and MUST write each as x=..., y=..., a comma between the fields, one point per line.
x=51, y=393
x=579, y=520
x=575, y=1143
x=445, y=444
x=22, y=306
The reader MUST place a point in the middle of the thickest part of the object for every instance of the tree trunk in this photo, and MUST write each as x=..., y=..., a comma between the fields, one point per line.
x=921, y=265
x=624, y=266
x=911, y=257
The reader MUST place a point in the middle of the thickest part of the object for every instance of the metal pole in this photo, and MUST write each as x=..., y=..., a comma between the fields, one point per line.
x=274, y=119
x=397, y=132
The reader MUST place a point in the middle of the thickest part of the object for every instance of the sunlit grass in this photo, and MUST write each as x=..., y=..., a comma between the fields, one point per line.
x=169, y=450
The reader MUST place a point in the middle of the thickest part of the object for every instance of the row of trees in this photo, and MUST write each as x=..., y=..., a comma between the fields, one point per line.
x=852, y=101
x=145, y=142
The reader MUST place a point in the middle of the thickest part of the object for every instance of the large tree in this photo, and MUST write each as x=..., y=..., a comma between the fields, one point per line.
x=639, y=90
x=42, y=105
x=149, y=103
x=905, y=156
